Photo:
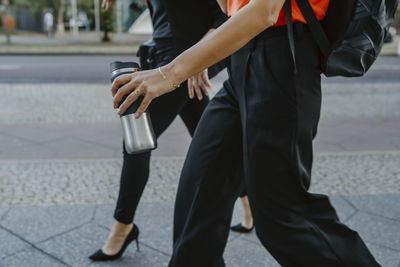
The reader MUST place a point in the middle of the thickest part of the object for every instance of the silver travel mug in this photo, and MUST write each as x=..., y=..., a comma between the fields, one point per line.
x=138, y=133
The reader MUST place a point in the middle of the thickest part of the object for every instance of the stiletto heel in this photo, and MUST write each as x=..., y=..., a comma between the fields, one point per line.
x=133, y=235
x=137, y=244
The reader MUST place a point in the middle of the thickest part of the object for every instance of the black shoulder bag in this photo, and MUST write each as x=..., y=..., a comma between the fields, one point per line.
x=350, y=36
x=147, y=55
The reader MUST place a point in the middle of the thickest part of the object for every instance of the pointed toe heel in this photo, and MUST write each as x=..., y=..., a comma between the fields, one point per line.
x=239, y=228
x=101, y=256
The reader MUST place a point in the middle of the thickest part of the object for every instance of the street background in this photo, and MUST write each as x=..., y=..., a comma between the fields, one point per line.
x=61, y=156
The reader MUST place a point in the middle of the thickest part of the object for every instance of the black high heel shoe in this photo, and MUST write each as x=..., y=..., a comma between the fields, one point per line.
x=239, y=228
x=133, y=235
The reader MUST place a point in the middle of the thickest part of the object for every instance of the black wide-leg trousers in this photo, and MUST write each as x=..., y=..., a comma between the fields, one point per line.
x=264, y=120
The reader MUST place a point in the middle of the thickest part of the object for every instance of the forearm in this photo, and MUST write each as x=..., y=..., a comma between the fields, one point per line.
x=227, y=39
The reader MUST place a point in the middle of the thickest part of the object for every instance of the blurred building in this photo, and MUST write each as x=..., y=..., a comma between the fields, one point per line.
x=32, y=19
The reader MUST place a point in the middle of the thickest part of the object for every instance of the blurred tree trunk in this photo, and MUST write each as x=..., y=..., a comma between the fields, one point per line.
x=107, y=23
x=60, y=18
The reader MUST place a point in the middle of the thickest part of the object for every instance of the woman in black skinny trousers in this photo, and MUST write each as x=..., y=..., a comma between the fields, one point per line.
x=135, y=169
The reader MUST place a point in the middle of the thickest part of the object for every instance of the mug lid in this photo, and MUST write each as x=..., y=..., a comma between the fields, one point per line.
x=116, y=65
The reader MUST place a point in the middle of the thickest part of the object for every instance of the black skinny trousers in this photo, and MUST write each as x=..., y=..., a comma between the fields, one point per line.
x=266, y=117
x=135, y=168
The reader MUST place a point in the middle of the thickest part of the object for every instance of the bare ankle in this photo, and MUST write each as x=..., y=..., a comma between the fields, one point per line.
x=120, y=227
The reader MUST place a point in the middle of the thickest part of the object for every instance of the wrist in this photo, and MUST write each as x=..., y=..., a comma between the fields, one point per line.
x=169, y=76
x=173, y=72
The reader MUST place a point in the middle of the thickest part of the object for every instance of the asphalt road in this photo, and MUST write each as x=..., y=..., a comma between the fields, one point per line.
x=95, y=69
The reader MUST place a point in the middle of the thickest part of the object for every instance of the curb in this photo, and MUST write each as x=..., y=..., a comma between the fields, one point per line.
x=390, y=49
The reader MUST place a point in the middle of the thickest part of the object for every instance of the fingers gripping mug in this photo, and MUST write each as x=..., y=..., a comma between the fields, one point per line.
x=138, y=133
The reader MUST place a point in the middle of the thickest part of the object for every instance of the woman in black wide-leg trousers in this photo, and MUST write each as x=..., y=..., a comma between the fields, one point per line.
x=264, y=118
x=278, y=114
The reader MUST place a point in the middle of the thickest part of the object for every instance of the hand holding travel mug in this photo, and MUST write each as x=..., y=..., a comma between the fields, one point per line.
x=138, y=133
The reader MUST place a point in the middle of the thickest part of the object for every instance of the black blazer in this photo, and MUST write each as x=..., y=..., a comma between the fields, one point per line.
x=190, y=20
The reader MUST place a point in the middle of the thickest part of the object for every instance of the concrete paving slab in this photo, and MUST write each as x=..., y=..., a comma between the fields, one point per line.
x=352, y=87
x=156, y=224
x=3, y=211
x=50, y=141
x=38, y=223
x=107, y=135
x=343, y=208
x=251, y=237
x=386, y=257
x=155, y=221
x=146, y=257
x=374, y=140
x=354, y=125
x=328, y=146
x=387, y=205
x=36, y=151
x=390, y=123
x=360, y=100
x=11, y=142
x=75, y=246
x=240, y=252
x=376, y=230
x=104, y=215
x=31, y=257
x=71, y=147
x=329, y=133
x=358, y=134
x=10, y=244
x=104, y=138
x=37, y=133
x=93, y=104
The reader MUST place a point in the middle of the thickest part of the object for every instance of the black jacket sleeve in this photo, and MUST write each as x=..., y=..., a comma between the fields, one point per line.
x=191, y=19
x=219, y=16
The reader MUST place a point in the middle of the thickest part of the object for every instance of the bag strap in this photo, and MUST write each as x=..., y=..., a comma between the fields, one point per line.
x=287, y=7
x=315, y=26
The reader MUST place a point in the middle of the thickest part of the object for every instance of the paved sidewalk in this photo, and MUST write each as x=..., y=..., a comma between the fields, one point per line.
x=60, y=163
x=84, y=125
x=51, y=240
x=67, y=240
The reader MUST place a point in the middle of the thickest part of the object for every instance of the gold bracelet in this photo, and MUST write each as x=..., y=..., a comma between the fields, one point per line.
x=173, y=85
x=162, y=73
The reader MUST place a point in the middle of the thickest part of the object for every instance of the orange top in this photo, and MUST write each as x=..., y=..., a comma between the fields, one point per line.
x=319, y=7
